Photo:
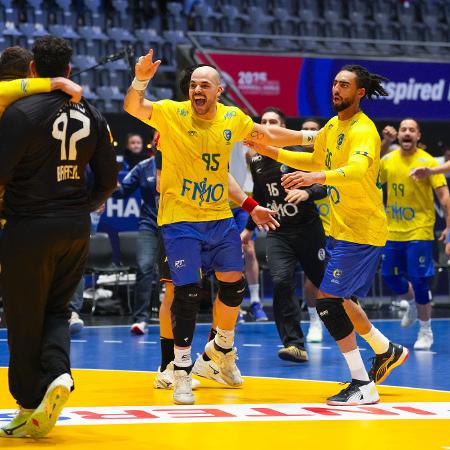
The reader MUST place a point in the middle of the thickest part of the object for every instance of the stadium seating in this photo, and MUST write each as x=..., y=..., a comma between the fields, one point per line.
x=98, y=28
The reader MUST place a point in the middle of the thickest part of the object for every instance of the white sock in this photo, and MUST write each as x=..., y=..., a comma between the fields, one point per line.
x=313, y=316
x=254, y=293
x=356, y=365
x=425, y=324
x=224, y=338
x=377, y=340
x=183, y=357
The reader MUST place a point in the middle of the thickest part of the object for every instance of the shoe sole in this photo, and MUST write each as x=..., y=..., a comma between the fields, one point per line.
x=331, y=403
x=286, y=357
x=403, y=357
x=190, y=402
x=44, y=418
x=220, y=381
x=137, y=331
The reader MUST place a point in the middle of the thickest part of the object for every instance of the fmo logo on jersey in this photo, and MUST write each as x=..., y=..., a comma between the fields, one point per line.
x=202, y=191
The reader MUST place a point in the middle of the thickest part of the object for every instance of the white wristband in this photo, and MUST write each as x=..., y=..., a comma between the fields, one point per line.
x=308, y=137
x=139, y=85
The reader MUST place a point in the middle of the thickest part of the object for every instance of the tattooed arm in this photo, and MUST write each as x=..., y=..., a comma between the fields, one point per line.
x=280, y=137
x=135, y=103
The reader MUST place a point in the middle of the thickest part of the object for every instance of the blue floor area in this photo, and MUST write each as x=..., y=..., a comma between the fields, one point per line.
x=258, y=343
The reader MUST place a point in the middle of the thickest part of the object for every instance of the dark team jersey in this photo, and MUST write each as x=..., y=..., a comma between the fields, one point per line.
x=46, y=143
x=267, y=191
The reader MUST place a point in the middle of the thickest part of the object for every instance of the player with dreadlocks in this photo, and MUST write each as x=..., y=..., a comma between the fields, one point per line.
x=346, y=158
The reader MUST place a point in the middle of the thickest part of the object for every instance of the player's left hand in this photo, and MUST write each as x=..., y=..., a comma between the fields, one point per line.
x=420, y=173
x=264, y=218
x=296, y=196
x=299, y=179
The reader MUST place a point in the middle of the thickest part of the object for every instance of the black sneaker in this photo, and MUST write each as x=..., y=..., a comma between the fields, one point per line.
x=382, y=365
x=356, y=393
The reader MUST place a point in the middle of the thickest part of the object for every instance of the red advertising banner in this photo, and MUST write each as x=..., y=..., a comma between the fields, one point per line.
x=262, y=81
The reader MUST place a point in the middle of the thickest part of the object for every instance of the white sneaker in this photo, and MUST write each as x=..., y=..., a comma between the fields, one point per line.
x=75, y=323
x=226, y=363
x=315, y=333
x=207, y=369
x=424, y=339
x=410, y=315
x=164, y=379
x=356, y=394
x=47, y=413
x=138, y=328
x=182, y=388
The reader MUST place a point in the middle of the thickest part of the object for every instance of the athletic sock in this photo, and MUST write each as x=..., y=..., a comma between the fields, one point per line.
x=212, y=335
x=183, y=360
x=167, y=353
x=254, y=293
x=224, y=340
x=313, y=316
x=356, y=365
x=425, y=324
x=377, y=340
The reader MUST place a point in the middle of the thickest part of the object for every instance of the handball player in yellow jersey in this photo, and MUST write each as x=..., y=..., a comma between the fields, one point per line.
x=408, y=255
x=346, y=158
x=197, y=224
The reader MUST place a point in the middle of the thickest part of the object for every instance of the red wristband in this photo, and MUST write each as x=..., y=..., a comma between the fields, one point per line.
x=249, y=204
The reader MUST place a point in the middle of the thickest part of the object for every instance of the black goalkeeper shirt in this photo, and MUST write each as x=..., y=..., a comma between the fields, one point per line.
x=267, y=191
x=46, y=142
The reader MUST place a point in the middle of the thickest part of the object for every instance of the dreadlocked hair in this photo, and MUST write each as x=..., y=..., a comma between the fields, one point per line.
x=371, y=82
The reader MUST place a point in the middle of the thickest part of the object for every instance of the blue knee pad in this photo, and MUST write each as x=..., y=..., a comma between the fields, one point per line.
x=422, y=291
x=397, y=283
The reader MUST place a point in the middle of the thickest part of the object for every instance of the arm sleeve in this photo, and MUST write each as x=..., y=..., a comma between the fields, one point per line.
x=130, y=183
x=258, y=195
x=439, y=179
x=162, y=115
x=317, y=192
x=356, y=168
x=246, y=125
x=10, y=91
x=14, y=139
x=309, y=162
x=104, y=168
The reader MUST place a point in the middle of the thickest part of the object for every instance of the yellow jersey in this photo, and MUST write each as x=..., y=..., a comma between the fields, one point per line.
x=13, y=90
x=410, y=203
x=323, y=208
x=357, y=212
x=195, y=157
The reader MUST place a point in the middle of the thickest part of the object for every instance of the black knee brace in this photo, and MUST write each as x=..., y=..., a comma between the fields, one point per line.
x=232, y=294
x=185, y=306
x=333, y=315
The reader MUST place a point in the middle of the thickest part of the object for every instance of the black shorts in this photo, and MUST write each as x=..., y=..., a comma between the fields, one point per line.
x=304, y=245
x=163, y=263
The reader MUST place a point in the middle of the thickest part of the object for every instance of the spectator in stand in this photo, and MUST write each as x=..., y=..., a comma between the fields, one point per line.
x=134, y=151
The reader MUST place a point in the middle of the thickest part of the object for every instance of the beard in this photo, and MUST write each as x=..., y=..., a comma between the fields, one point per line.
x=341, y=106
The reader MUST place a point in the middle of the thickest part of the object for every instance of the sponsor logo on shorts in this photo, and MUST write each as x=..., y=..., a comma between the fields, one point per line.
x=180, y=263
x=422, y=260
x=337, y=274
x=321, y=254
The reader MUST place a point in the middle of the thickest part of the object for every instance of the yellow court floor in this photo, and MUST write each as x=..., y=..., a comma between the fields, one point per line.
x=120, y=410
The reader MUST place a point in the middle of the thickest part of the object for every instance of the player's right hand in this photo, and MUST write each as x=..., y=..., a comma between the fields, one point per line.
x=420, y=173
x=389, y=133
x=145, y=68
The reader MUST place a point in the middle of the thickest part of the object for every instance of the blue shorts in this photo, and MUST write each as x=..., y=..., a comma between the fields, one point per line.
x=351, y=268
x=193, y=246
x=411, y=258
x=241, y=217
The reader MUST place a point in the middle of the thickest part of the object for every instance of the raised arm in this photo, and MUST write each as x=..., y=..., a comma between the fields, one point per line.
x=423, y=172
x=280, y=137
x=135, y=103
